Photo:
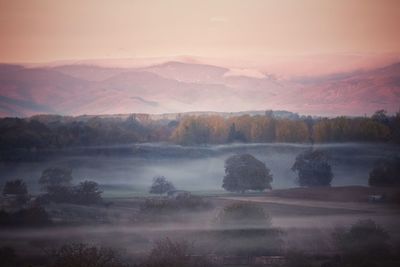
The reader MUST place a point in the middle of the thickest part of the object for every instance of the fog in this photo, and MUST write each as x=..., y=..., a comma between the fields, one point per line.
x=129, y=170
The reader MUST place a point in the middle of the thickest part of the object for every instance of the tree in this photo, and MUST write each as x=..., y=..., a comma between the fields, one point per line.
x=395, y=127
x=365, y=240
x=53, y=178
x=381, y=116
x=287, y=130
x=192, y=130
x=386, y=172
x=15, y=187
x=57, y=182
x=161, y=185
x=235, y=135
x=245, y=172
x=313, y=168
x=87, y=192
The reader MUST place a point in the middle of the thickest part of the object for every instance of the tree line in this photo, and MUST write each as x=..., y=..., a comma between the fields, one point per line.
x=216, y=130
x=55, y=132
x=244, y=172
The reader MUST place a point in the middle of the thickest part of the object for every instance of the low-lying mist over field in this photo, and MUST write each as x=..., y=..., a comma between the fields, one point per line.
x=129, y=169
x=200, y=133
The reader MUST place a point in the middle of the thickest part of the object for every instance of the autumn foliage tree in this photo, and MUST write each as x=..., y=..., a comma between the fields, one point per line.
x=52, y=131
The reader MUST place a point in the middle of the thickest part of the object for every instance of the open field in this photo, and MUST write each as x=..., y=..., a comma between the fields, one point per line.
x=307, y=224
x=300, y=218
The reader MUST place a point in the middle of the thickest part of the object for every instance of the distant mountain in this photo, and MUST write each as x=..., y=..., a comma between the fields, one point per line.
x=190, y=73
x=175, y=87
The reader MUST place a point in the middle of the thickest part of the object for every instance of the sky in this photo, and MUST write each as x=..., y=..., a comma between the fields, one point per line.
x=48, y=30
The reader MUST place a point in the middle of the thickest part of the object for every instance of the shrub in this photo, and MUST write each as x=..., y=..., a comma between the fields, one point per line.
x=15, y=187
x=84, y=255
x=295, y=258
x=8, y=257
x=33, y=216
x=245, y=230
x=169, y=253
x=386, y=172
x=57, y=184
x=167, y=205
x=364, y=241
x=243, y=214
x=249, y=241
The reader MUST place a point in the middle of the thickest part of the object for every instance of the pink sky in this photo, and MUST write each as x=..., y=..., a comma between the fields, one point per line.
x=278, y=39
x=267, y=31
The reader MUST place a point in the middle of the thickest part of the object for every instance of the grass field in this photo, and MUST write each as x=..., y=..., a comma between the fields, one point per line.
x=307, y=223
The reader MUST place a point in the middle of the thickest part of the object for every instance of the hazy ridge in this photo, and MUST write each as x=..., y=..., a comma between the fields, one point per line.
x=176, y=87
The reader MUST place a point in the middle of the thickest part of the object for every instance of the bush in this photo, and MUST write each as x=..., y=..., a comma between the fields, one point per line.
x=364, y=241
x=8, y=257
x=386, y=172
x=242, y=214
x=84, y=255
x=57, y=183
x=167, y=205
x=33, y=216
x=249, y=241
x=169, y=253
x=245, y=230
x=15, y=187
x=295, y=258
x=61, y=194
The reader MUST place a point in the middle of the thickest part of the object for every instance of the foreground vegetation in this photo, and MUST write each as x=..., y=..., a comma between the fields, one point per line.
x=180, y=230
x=363, y=244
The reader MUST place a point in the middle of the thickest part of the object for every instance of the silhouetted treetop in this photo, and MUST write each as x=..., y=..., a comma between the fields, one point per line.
x=161, y=185
x=313, y=168
x=245, y=172
x=386, y=172
x=15, y=187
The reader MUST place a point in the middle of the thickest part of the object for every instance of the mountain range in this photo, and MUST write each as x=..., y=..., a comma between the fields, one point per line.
x=174, y=87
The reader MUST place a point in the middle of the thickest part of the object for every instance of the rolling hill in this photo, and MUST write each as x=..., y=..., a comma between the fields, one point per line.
x=181, y=87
